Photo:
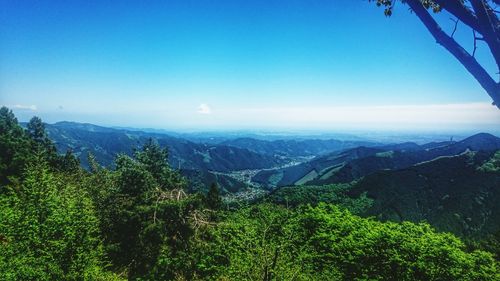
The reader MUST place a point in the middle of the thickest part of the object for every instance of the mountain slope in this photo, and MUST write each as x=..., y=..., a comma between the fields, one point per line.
x=313, y=169
x=455, y=194
x=106, y=143
x=295, y=148
x=340, y=168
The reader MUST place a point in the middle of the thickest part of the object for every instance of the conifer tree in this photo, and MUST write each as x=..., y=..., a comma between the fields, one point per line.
x=213, y=199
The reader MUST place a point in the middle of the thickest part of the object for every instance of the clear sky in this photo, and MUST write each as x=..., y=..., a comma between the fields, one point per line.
x=234, y=65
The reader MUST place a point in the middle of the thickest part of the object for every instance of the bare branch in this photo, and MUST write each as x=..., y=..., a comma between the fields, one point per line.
x=489, y=23
x=475, y=43
x=455, y=27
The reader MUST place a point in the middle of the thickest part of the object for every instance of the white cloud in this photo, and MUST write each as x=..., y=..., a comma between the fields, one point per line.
x=24, y=107
x=204, y=109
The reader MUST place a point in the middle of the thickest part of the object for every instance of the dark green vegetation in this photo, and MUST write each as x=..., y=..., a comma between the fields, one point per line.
x=137, y=220
x=294, y=148
x=105, y=143
x=348, y=165
x=457, y=194
x=452, y=193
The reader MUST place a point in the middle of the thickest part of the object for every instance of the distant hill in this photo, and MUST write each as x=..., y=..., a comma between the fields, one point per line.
x=302, y=173
x=351, y=164
x=458, y=194
x=294, y=148
x=106, y=143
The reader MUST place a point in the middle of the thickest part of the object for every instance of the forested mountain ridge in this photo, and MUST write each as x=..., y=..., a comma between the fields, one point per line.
x=349, y=165
x=106, y=143
x=457, y=194
x=294, y=148
x=202, y=163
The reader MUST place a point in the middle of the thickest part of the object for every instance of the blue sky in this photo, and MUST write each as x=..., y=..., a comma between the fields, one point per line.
x=234, y=65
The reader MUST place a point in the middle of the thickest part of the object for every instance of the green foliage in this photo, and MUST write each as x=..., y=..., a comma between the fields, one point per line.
x=389, y=5
x=450, y=193
x=155, y=161
x=370, y=250
x=19, y=147
x=213, y=198
x=255, y=243
x=267, y=242
x=69, y=162
x=489, y=243
x=492, y=165
x=145, y=207
x=41, y=142
x=15, y=147
x=174, y=229
x=49, y=230
x=36, y=130
x=294, y=196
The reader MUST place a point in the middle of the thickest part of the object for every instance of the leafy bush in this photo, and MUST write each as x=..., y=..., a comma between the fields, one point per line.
x=267, y=242
x=49, y=230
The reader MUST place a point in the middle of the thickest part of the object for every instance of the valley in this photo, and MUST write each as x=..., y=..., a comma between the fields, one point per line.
x=249, y=169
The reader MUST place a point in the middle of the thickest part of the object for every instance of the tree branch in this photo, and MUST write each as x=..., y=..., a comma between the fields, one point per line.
x=468, y=61
x=488, y=22
x=475, y=43
x=460, y=11
x=454, y=28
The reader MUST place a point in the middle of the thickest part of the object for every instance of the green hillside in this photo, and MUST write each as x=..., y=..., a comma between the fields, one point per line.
x=457, y=194
x=106, y=143
x=352, y=164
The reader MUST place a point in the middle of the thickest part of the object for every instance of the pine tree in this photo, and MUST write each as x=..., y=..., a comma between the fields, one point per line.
x=15, y=147
x=213, y=199
x=42, y=143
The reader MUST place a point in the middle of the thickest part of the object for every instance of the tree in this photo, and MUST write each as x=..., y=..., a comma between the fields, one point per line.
x=153, y=157
x=49, y=230
x=479, y=15
x=42, y=143
x=69, y=162
x=15, y=147
x=36, y=130
x=147, y=212
x=155, y=160
x=213, y=200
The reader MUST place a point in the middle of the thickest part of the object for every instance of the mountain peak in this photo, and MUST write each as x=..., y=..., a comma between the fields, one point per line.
x=481, y=141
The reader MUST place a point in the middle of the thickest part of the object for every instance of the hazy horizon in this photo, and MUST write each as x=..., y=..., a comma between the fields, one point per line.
x=409, y=134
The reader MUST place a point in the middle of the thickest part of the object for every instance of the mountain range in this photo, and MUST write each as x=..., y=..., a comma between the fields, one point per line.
x=105, y=143
x=202, y=162
x=454, y=185
x=351, y=164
